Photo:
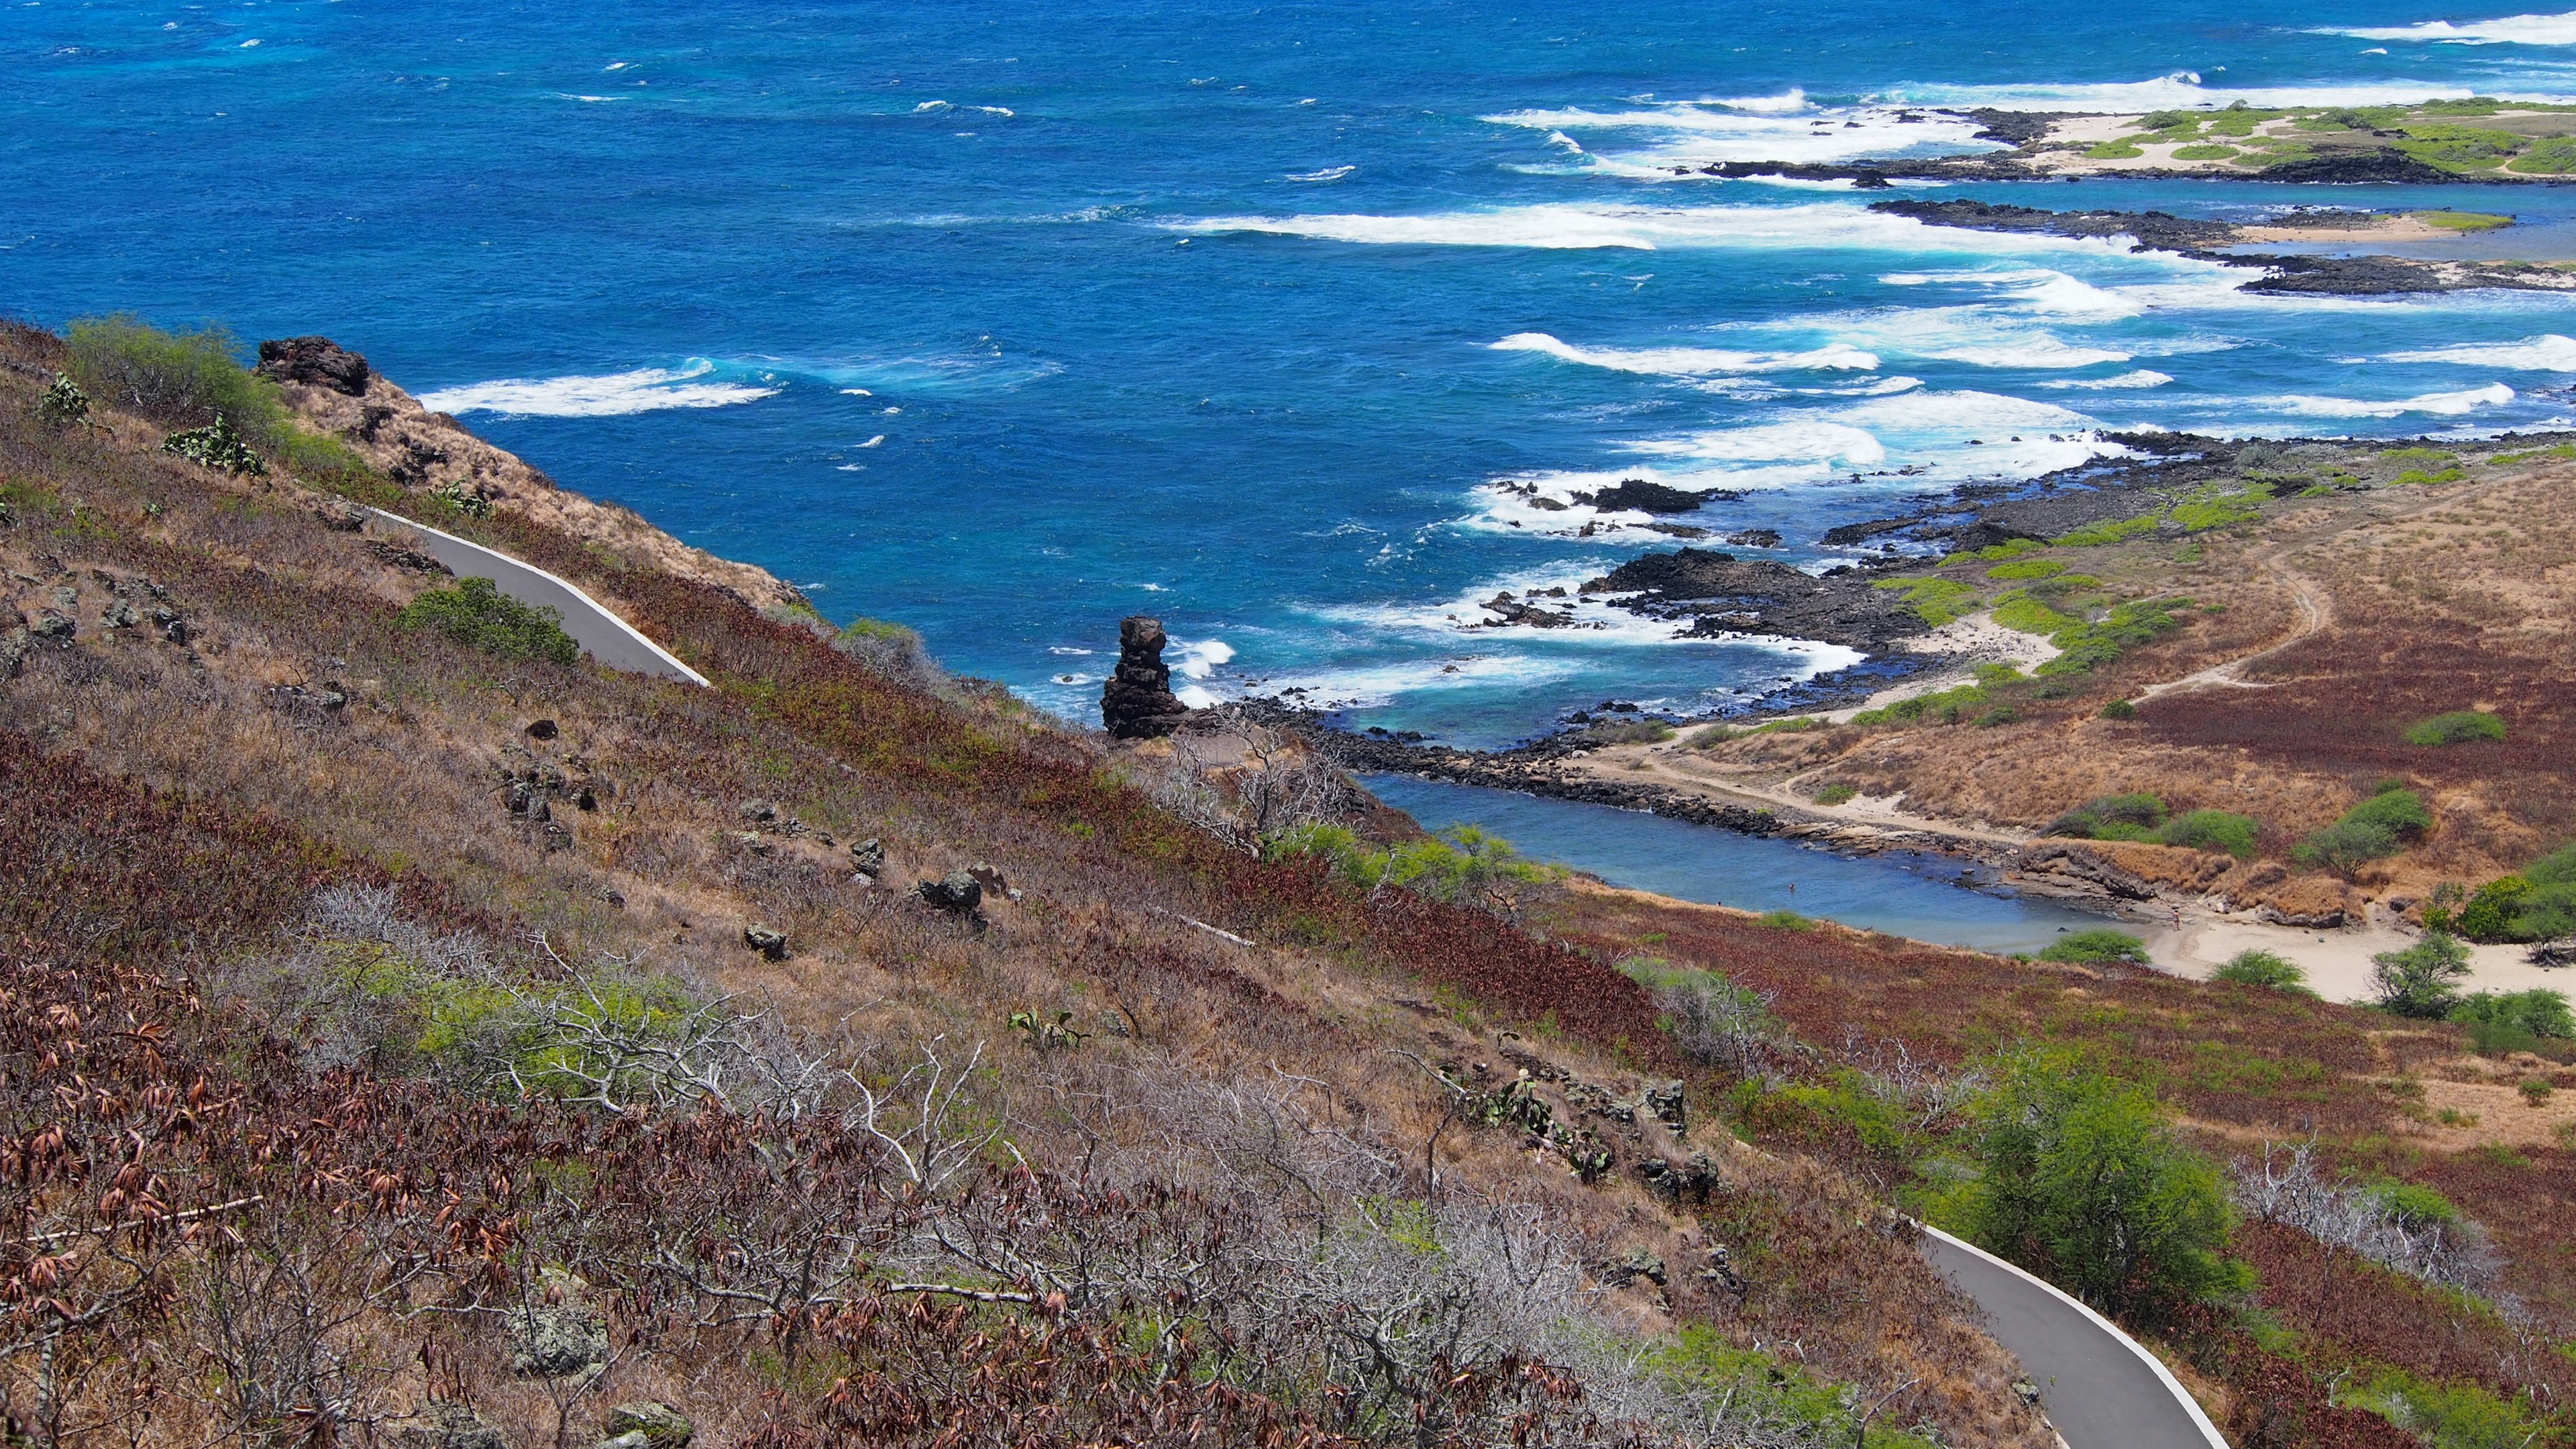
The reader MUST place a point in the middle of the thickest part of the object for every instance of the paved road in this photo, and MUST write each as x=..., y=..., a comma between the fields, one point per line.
x=609, y=639
x=2100, y=1389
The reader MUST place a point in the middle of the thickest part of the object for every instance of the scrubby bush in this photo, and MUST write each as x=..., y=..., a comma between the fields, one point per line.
x=1457, y=866
x=2258, y=967
x=1945, y=706
x=2083, y=1181
x=2538, y=1012
x=1836, y=793
x=2213, y=830
x=62, y=403
x=2119, y=709
x=2379, y=826
x=1785, y=921
x=2101, y=946
x=2536, y=904
x=182, y=378
x=2420, y=981
x=476, y=613
x=2085, y=647
x=1935, y=601
x=2029, y=568
x=2113, y=817
x=2457, y=727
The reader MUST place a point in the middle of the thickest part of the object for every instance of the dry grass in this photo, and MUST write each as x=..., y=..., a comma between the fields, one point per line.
x=411, y=777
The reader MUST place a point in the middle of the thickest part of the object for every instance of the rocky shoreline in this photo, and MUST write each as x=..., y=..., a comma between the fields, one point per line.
x=2364, y=276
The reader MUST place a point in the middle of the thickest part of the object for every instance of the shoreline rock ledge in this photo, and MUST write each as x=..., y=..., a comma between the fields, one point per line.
x=1137, y=703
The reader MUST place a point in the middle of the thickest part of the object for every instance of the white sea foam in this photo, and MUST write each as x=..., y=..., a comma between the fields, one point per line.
x=1329, y=173
x=2505, y=30
x=873, y=442
x=1783, y=128
x=932, y=106
x=2548, y=352
x=1200, y=659
x=1692, y=361
x=2438, y=404
x=2182, y=90
x=1560, y=226
x=1004, y=111
x=2143, y=377
x=1065, y=649
x=614, y=394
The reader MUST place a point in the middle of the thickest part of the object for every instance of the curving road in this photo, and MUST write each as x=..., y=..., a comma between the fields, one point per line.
x=607, y=638
x=2099, y=1387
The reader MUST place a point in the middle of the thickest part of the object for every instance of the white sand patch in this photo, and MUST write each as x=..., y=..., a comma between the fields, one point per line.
x=2337, y=961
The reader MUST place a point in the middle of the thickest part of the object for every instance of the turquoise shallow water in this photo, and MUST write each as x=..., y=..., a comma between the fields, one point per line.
x=1926, y=897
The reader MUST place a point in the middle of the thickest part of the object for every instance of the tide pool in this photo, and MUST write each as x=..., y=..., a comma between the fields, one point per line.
x=1904, y=893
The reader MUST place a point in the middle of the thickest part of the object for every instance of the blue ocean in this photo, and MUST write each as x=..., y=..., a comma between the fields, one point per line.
x=1284, y=322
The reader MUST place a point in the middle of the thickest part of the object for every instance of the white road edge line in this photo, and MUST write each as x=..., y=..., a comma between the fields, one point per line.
x=665, y=655
x=2190, y=1405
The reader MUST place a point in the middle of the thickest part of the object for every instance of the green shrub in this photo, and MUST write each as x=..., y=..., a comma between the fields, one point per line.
x=2491, y=913
x=2456, y=727
x=1935, y=601
x=2119, y=709
x=2115, y=151
x=2539, y=1011
x=2086, y=647
x=2561, y=451
x=476, y=613
x=2167, y=121
x=2029, y=568
x=2019, y=611
x=1458, y=865
x=2433, y=456
x=2379, y=826
x=1947, y=706
x=2420, y=980
x=1836, y=793
x=2456, y=1415
x=183, y=378
x=2211, y=508
x=2263, y=968
x=2098, y=947
x=1784, y=921
x=2113, y=817
x=2550, y=156
x=2413, y=1205
x=2084, y=1182
x=2215, y=830
x=2206, y=151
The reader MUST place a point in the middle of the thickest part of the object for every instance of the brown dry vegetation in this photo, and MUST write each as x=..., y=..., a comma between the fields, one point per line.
x=2431, y=597
x=172, y=806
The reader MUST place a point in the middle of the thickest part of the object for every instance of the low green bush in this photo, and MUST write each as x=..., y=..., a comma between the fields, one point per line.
x=1455, y=866
x=2113, y=817
x=1935, y=601
x=2213, y=830
x=2537, y=903
x=180, y=378
x=476, y=613
x=2206, y=151
x=2119, y=709
x=1836, y=793
x=216, y=445
x=1784, y=921
x=2029, y=568
x=2377, y=827
x=1947, y=706
x=2457, y=1414
x=2538, y=1012
x=2099, y=947
x=2421, y=980
x=2114, y=151
x=2083, y=648
x=2457, y=727
x=2263, y=968
x=2019, y=611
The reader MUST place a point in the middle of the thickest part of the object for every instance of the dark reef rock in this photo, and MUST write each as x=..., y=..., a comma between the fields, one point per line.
x=1636, y=495
x=2385, y=164
x=1137, y=703
x=1717, y=593
x=2157, y=230
x=315, y=360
